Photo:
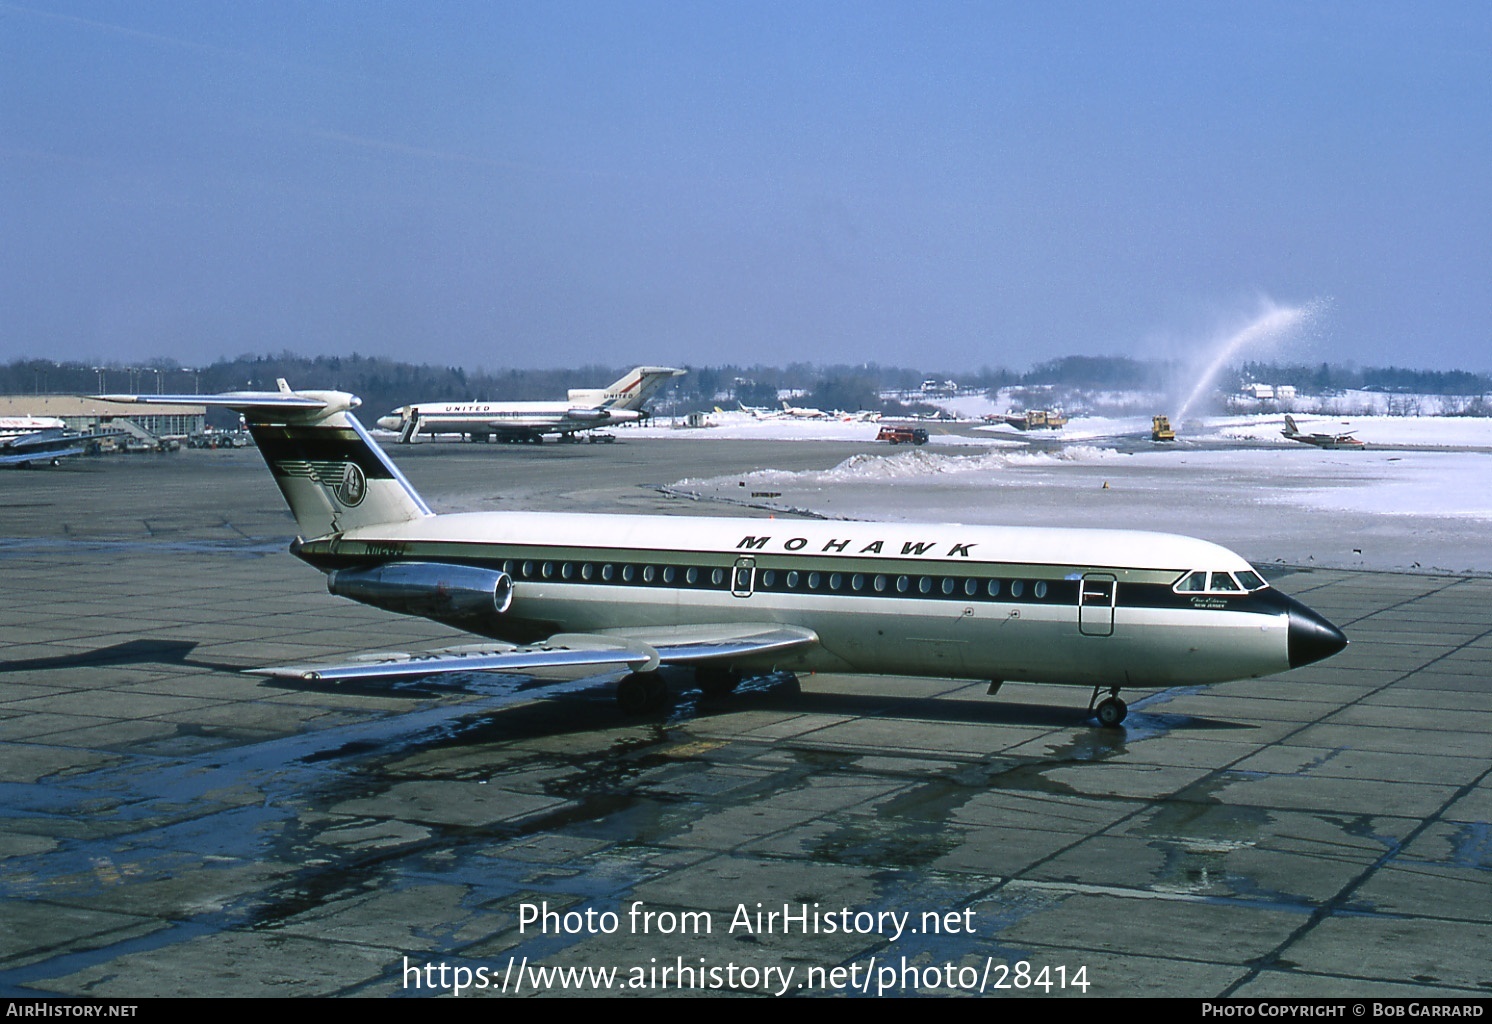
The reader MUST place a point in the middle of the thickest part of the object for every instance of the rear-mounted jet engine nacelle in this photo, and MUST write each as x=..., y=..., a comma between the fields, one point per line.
x=428, y=589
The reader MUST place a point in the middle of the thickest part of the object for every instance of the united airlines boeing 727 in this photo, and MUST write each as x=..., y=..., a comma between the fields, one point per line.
x=726, y=597
x=585, y=409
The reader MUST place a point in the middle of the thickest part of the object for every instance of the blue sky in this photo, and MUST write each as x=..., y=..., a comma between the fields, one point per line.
x=937, y=184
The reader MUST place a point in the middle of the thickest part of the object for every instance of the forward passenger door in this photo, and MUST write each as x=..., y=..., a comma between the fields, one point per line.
x=1096, y=598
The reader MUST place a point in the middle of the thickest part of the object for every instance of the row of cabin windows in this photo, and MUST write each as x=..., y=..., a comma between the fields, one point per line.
x=777, y=580
x=607, y=572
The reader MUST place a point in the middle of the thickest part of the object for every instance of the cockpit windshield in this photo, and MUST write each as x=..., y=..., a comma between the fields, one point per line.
x=1202, y=582
x=1251, y=580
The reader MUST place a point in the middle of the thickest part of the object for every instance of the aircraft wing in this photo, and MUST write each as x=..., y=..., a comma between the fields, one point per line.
x=8, y=458
x=690, y=645
x=641, y=649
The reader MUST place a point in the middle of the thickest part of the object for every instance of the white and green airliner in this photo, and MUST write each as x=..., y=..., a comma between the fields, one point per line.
x=731, y=597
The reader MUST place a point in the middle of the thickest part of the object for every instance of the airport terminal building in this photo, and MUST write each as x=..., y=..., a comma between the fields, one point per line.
x=88, y=414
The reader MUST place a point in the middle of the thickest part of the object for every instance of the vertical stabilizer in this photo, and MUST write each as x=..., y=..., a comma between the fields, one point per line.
x=332, y=473
x=636, y=387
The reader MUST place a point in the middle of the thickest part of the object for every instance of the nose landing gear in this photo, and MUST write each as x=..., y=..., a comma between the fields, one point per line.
x=1110, y=711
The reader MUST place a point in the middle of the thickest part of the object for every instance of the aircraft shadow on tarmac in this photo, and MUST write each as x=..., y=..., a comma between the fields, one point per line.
x=946, y=709
x=588, y=703
x=780, y=691
x=131, y=652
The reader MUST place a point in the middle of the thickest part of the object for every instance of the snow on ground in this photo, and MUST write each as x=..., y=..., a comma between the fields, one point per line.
x=1413, y=510
x=1443, y=431
x=784, y=428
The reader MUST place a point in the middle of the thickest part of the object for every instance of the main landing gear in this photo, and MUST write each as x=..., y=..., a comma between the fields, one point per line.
x=1111, y=710
x=716, y=680
x=641, y=692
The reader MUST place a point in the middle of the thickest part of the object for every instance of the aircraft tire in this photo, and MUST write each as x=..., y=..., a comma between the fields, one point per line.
x=1111, y=712
x=641, y=692
x=714, y=681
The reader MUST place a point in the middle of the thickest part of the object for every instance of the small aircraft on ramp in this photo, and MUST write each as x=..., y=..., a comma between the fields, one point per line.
x=585, y=409
x=800, y=412
x=37, y=440
x=729, y=597
x=1334, y=441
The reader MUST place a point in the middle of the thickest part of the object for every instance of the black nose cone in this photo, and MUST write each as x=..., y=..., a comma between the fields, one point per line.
x=1312, y=637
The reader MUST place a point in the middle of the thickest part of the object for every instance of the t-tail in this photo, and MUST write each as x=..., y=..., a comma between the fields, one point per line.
x=628, y=391
x=332, y=473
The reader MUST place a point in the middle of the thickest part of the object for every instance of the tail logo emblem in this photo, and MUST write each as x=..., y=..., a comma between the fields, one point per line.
x=353, y=486
x=345, y=480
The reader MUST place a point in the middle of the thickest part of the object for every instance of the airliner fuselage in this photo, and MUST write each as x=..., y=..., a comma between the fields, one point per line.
x=1089, y=607
x=1100, y=608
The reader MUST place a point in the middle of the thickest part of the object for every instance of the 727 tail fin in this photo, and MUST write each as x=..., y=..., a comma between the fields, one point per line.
x=628, y=391
x=635, y=388
x=332, y=473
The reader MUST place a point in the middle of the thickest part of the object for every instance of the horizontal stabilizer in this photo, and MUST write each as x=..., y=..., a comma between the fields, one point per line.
x=244, y=400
